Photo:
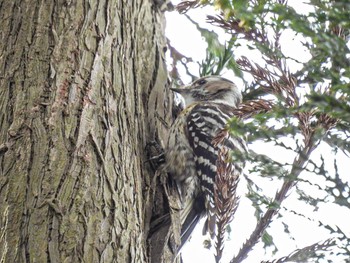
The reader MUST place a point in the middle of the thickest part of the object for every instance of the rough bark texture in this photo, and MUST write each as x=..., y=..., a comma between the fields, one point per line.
x=80, y=85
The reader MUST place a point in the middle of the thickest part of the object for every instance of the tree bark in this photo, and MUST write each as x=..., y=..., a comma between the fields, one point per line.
x=81, y=84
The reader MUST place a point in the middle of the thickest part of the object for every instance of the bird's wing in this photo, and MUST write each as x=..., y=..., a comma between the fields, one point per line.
x=203, y=124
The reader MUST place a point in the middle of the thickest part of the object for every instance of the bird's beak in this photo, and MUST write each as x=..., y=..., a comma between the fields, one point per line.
x=176, y=90
x=181, y=90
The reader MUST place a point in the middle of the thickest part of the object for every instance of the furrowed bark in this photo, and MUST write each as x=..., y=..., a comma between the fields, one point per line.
x=80, y=85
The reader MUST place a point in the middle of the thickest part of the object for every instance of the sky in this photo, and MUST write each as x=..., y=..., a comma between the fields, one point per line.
x=184, y=36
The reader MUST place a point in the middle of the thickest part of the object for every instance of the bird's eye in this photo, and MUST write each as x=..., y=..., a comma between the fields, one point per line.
x=201, y=82
x=220, y=90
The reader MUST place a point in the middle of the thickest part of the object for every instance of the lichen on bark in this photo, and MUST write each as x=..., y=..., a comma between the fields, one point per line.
x=78, y=84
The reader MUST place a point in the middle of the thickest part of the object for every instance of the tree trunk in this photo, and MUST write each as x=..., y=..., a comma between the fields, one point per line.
x=81, y=84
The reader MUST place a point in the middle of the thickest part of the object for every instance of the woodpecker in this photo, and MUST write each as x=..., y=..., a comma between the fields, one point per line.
x=190, y=153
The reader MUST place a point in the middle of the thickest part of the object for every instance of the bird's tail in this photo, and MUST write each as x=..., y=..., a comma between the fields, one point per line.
x=191, y=215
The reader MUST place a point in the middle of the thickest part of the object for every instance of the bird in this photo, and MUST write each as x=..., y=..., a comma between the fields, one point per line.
x=190, y=153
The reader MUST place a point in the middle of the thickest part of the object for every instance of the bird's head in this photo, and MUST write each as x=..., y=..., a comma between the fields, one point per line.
x=211, y=89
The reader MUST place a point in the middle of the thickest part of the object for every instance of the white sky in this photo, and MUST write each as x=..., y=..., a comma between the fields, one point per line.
x=187, y=40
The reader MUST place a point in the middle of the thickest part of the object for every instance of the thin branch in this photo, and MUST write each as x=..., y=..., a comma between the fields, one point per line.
x=289, y=181
x=178, y=57
x=184, y=6
x=304, y=253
